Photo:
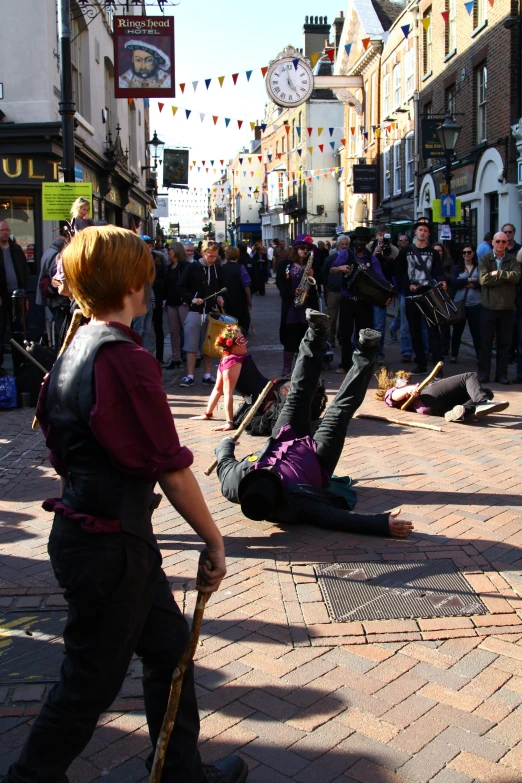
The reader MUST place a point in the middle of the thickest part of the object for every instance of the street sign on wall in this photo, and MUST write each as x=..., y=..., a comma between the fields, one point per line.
x=321, y=229
x=365, y=178
x=438, y=217
x=431, y=146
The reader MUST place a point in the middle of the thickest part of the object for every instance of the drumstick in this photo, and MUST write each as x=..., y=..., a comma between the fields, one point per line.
x=175, y=690
x=71, y=331
x=404, y=423
x=244, y=424
x=424, y=383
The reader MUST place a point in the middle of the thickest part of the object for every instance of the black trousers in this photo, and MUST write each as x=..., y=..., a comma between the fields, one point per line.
x=354, y=316
x=464, y=389
x=157, y=321
x=119, y=602
x=473, y=321
x=499, y=324
x=5, y=314
x=415, y=318
x=330, y=435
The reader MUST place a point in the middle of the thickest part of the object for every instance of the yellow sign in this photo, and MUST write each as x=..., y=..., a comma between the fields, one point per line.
x=437, y=212
x=57, y=198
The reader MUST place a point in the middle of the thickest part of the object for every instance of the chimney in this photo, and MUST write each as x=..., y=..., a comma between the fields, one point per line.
x=316, y=29
x=338, y=29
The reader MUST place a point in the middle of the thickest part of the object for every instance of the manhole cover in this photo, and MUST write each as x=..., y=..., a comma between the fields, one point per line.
x=388, y=591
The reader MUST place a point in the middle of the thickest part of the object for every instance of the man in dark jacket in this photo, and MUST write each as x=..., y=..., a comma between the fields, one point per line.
x=56, y=306
x=416, y=267
x=290, y=479
x=332, y=286
x=200, y=280
x=499, y=275
x=14, y=273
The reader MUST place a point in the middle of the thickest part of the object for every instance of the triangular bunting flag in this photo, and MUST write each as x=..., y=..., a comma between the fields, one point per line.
x=299, y=152
x=211, y=162
x=321, y=147
x=227, y=121
x=352, y=130
x=160, y=106
x=234, y=77
x=330, y=53
x=202, y=163
x=279, y=155
x=260, y=158
x=264, y=70
x=310, y=131
x=248, y=75
x=406, y=29
x=263, y=126
x=215, y=118
x=207, y=82
x=195, y=85
x=131, y=101
x=445, y=16
x=319, y=131
x=330, y=131
x=250, y=160
x=222, y=162
x=332, y=144
x=201, y=116
x=174, y=110
x=239, y=123
x=298, y=129
x=240, y=161
x=469, y=6
x=309, y=179
x=492, y=2
x=426, y=22
x=270, y=161
x=188, y=112
x=343, y=142
x=296, y=62
x=365, y=42
x=252, y=125
x=313, y=58
x=310, y=150
x=347, y=49
x=193, y=162
x=182, y=87
x=378, y=133
x=287, y=129
x=221, y=79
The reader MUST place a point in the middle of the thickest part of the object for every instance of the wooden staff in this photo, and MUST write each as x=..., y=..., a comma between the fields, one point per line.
x=402, y=422
x=424, y=383
x=175, y=690
x=244, y=424
x=28, y=356
x=71, y=331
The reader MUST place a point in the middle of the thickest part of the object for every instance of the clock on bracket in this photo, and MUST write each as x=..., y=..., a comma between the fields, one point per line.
x=289, y=79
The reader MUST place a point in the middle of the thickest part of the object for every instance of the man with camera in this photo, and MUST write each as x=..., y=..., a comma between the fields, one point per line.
x=386, y=253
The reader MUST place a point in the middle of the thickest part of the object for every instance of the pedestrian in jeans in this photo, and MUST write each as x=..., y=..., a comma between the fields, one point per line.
x=200, y=280
x=466, y=284
x=177, y=309
x=499, y=275
x=386, y=253
x=332, y=288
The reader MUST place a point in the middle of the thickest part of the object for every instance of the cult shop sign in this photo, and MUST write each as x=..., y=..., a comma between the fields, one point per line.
x=57, y=198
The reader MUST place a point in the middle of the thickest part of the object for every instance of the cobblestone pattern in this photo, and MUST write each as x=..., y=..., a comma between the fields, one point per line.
x=302, y=698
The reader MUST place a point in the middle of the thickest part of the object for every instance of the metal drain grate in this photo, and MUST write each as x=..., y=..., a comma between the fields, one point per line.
x=396, y=591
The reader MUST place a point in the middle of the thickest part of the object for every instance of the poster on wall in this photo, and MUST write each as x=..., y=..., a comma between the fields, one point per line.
x=175, y=168
x=144, y=57
x=57, y=198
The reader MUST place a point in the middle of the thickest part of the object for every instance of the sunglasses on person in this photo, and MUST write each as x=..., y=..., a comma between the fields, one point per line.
x=468, y=252
x=509, y=231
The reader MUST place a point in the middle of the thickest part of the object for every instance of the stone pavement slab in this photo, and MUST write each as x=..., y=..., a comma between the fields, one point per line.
x=302, y=698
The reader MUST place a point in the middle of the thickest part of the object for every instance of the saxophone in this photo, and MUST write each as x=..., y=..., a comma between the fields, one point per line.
x=307, y=281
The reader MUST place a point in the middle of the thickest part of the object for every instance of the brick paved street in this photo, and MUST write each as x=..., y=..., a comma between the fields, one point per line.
x=300, y=697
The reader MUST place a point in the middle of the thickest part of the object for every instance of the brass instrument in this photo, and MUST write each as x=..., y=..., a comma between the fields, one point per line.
x=307, y=281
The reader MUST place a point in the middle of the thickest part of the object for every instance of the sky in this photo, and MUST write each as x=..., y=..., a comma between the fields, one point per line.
x=218, y=39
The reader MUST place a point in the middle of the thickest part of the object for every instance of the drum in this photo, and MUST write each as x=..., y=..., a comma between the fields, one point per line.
x=214, y=328
x=369, y=286
x=435, y=305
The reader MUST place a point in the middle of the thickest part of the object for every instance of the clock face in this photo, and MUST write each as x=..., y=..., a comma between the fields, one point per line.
x=287, y=85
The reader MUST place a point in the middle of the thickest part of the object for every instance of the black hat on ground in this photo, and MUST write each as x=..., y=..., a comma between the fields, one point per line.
x=260, y=492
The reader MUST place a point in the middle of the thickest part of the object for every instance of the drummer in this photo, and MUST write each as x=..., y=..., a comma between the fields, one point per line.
x=416, y=267
x=460, y=398
x=200, y=280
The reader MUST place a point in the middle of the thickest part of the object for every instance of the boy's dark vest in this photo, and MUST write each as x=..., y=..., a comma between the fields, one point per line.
x=95, y=485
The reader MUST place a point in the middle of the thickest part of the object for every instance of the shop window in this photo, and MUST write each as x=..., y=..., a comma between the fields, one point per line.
x=18, y=211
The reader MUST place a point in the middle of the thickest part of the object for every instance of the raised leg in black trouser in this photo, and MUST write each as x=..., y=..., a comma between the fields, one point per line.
x=120, y=602
x=499, y=324
x=157, y=320
x=330, y=435
x=464, y=389
x=297, y=408
x=415, y=318
x=354, y=316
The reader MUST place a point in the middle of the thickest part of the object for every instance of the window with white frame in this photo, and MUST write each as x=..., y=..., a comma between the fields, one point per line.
x=373, y=99
x=386, y=95
x=281, y=182
x=409, y=73
x=397, y=86
x=480, y=13
x=77, y=44
x=386, y=173
x=427, y=41
x=482, y=102
x=409, y=160
x=451, y=27
x=397, y=185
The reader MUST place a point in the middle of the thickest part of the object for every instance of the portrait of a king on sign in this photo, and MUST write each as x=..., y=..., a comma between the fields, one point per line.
x=144, y=56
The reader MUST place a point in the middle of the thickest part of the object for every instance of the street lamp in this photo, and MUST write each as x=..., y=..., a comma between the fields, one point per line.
x=156, y=143
x=448, y=134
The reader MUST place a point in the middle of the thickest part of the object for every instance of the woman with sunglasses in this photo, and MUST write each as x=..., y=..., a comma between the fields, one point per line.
x=465, y=281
